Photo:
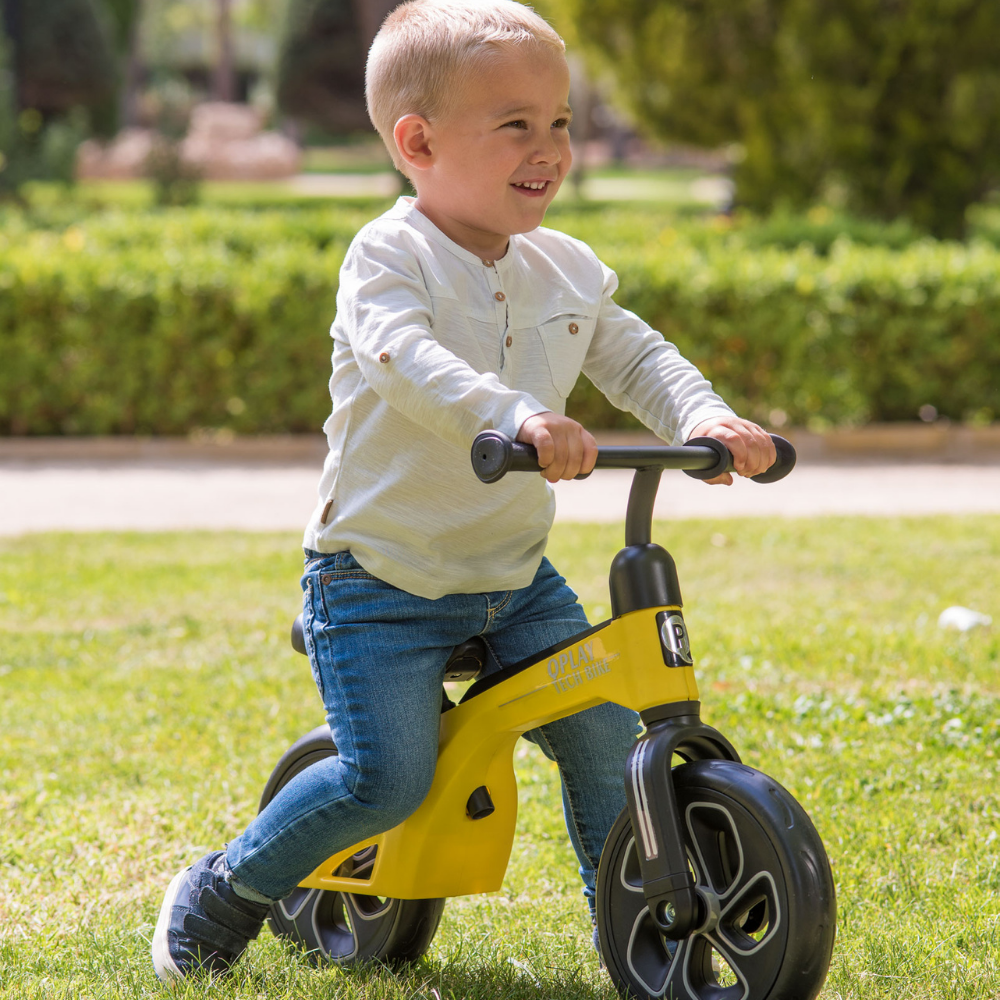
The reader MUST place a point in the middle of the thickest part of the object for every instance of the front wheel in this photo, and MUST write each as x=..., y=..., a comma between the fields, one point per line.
x=346, y=928
x=765, y=888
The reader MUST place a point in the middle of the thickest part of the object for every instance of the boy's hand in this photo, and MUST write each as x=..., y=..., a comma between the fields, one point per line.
x=565, y=448
x=752, y=447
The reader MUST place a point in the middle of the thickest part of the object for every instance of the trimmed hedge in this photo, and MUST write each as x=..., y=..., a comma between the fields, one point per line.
x=163, y=323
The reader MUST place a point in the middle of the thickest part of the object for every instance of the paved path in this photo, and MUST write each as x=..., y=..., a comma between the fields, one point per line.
x=149, y=495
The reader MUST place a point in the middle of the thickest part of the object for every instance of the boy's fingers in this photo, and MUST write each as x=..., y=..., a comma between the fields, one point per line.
x=552, y=469
x=733, y=440
x=589, y=453
x=565, y=449
x=750, y=445
x=760, y=452
x=574, y=456
x=545, y=446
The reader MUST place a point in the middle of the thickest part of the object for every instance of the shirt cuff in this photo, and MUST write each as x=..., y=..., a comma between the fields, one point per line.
x=684, y=432
x=526, y=407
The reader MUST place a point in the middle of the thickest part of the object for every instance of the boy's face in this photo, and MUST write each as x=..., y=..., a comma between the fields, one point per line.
x=494, y=163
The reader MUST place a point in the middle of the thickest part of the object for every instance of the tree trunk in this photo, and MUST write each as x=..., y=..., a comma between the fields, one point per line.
x=369, y=15
x=129, y=107
x=11, y=25
x=224, y=79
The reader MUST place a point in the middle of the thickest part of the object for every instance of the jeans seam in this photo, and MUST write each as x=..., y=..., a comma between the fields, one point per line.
x=345, y=721
x=308, y=618
x=494, y=611
x=277, y=833
x=569, y=797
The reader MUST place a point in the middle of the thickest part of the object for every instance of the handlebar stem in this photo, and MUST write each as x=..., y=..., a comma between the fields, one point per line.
x=641, y=498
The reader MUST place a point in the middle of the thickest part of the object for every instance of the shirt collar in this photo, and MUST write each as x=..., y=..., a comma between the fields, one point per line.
x=406, y=206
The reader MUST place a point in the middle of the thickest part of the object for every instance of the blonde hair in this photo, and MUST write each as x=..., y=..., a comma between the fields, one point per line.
x=424, y=44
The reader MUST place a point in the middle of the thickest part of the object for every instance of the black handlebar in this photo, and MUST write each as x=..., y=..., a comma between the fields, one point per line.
x=494, y=455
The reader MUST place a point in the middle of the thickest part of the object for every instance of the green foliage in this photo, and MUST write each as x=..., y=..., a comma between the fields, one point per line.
x=892, y=107
x=863, y=334
x=321, y=70
x=164, y=322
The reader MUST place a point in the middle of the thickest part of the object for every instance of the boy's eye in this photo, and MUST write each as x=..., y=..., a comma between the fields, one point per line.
x=561, y=123
x=518, y=123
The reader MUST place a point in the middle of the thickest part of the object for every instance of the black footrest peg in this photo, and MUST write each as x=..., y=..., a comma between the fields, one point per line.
x=480, y=804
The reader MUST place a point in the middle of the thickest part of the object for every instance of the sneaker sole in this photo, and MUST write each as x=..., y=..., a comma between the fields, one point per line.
x=167, y=970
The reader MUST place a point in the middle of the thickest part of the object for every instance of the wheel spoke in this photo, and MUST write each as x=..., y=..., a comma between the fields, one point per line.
x=648, y=956
x=752, y=916
x=754, y=970
x=629, y=873
x=291, y=906
x=718, y=848
x=362, y=863
x=367, y=915
x=652, y=959
x=701, y=972
x=331, y=929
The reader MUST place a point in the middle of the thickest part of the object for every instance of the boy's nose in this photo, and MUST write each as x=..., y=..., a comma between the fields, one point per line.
x=547, y=151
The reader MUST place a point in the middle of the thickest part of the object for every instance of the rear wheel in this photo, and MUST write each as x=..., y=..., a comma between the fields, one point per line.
x=343, y=927
x=765, y=888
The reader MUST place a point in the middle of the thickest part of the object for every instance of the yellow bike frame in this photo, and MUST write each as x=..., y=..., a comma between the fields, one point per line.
x=439, y=850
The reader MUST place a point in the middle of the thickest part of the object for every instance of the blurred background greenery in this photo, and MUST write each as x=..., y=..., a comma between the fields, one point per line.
x=802, y=194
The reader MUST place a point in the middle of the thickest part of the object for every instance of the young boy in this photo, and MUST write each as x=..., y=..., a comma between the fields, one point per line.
x=455, y=313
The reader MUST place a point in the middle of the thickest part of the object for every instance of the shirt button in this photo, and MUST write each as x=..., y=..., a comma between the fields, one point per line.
x=499, y=296
x=573, y=328
x=384, y=357
x=487, y=263
x=510, y=340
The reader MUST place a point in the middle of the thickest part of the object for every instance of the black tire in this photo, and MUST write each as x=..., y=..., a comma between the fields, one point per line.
x=751, y=845
x=340, y=927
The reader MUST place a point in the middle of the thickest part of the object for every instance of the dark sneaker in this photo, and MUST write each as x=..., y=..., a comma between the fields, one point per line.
x=597, y=941
x=203, y=924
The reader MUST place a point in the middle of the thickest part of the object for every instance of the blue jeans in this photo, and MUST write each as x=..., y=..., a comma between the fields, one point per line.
x=377, y=654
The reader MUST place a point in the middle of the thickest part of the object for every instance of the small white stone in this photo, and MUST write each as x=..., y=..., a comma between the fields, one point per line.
x=962, y=619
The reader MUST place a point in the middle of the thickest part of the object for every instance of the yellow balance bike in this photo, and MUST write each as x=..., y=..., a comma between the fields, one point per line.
x=713, y=883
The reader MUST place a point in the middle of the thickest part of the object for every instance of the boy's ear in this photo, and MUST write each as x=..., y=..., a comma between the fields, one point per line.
x=413, y=140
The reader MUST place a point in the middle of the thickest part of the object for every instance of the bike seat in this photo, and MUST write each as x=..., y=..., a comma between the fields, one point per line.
x=298, y=636
x=465, y=663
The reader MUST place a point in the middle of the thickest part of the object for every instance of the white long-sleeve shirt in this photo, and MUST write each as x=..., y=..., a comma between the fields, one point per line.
x=433, y=345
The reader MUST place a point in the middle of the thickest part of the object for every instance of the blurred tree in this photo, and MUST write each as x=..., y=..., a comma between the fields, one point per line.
x=892, y=105
x=11, y=151
x=321, y=66
x=125, y=17
x=64, y=58
x=224, y=77
x=43, y=86
x=321, y=69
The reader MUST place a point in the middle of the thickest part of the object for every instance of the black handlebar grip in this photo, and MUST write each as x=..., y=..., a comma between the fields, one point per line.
x=494, y=455
x=784, y=461
x=724, y=463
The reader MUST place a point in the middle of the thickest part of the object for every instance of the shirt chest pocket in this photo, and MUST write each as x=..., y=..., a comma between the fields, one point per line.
x=565, y=341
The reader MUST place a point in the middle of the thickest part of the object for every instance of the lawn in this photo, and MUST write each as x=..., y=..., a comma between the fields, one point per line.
x=147, y=686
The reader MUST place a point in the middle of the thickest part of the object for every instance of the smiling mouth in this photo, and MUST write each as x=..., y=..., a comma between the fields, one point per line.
x=531, y=185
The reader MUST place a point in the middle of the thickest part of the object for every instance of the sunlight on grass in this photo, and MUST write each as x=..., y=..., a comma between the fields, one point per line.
x=148, y=687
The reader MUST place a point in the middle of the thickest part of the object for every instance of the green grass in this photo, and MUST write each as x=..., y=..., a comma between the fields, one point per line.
x=147, y=686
